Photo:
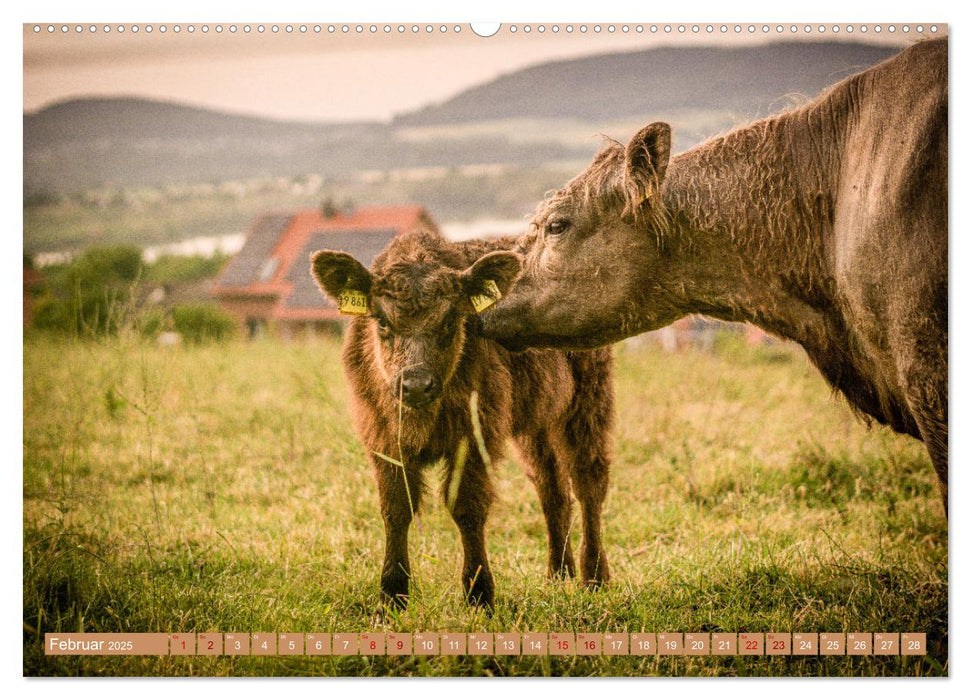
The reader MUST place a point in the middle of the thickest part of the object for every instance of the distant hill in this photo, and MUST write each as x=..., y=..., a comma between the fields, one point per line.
x=132, y=118
x=127, y=142
x=748, y=80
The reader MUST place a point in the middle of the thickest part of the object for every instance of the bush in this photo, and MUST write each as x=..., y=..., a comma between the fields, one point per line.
x=151, y=323
x=202, y=323
x=106, y=265
x=53, y=314
x=91, y=295
x=92, y=312
x=96, y=295
x=184, y=268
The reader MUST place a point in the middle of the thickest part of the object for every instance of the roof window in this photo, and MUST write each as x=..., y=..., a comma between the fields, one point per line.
x=268, y=269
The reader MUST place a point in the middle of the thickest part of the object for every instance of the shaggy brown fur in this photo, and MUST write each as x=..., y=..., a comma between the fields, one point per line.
x=826, y=225
x=414, y=364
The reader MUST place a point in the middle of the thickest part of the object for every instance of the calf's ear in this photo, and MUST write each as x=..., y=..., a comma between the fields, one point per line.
x=491, y=277
x=343, y=279
x=647, y=159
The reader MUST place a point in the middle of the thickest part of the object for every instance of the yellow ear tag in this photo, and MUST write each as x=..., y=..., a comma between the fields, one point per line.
x=352, y=302
x=481, y=302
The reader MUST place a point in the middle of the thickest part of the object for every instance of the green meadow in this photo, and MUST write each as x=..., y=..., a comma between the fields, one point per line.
x=222, y=488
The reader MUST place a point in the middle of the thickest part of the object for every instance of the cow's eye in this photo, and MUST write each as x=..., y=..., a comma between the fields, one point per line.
x=383, y=326
x=557, y=227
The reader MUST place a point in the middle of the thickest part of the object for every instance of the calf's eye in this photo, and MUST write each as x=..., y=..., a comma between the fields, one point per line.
x=557, y=226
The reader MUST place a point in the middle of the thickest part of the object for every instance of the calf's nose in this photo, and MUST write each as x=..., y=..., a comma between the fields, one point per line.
x=418, y=387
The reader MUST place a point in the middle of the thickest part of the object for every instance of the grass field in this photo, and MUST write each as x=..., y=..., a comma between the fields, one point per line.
x=222, y=488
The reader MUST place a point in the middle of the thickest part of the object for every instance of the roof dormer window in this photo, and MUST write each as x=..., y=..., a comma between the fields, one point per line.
x=268, y=269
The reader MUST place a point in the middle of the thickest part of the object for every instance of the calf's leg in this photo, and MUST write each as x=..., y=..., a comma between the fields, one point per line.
x=553, y=486
x=590, y=478
x=470, y=509
x=584, y=446
x=399, y=502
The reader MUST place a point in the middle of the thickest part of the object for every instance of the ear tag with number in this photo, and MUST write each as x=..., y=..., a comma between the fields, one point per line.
x=481, y=302
x=352, y=302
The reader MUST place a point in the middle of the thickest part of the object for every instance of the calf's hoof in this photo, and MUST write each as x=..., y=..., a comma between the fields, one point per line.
x=394, y=590
x=596, y=572
x=481, y=600
x=563, y=569
x=480, y=590
x=398, y=601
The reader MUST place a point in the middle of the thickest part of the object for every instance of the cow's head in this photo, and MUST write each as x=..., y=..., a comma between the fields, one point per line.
x=417, y=311
x=595, y=267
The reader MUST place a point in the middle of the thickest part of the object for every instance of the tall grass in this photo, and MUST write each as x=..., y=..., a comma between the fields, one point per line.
x=222, y=488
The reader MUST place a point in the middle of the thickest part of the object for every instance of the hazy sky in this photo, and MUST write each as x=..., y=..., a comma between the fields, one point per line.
x=324, y=76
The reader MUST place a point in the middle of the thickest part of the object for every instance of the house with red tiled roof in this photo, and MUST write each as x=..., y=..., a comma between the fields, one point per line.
x=268, y=282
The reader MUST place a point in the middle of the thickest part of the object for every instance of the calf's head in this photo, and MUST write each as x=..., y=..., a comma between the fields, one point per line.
x=416, y=312
x=593, y=254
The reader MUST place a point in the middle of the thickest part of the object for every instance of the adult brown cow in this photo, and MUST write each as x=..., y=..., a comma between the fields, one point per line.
x=826, y=225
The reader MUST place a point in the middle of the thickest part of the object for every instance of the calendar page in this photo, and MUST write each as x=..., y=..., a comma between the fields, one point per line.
x=612, y=349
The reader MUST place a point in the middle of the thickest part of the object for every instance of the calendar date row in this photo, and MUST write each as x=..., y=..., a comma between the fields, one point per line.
x=489, y=644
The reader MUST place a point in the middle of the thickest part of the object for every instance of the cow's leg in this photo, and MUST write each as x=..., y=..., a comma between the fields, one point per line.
x=935, y=438
x=553, y=486
x=927, y=400
x=921, y=356
x=468, y=502
x=399, y=503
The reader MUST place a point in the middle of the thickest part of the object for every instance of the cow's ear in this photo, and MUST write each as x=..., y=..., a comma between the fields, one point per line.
x=647, y=159
x=343, y=279
x=490, y=277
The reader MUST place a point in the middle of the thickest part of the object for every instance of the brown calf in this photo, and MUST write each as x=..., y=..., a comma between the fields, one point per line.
x=414, y=360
